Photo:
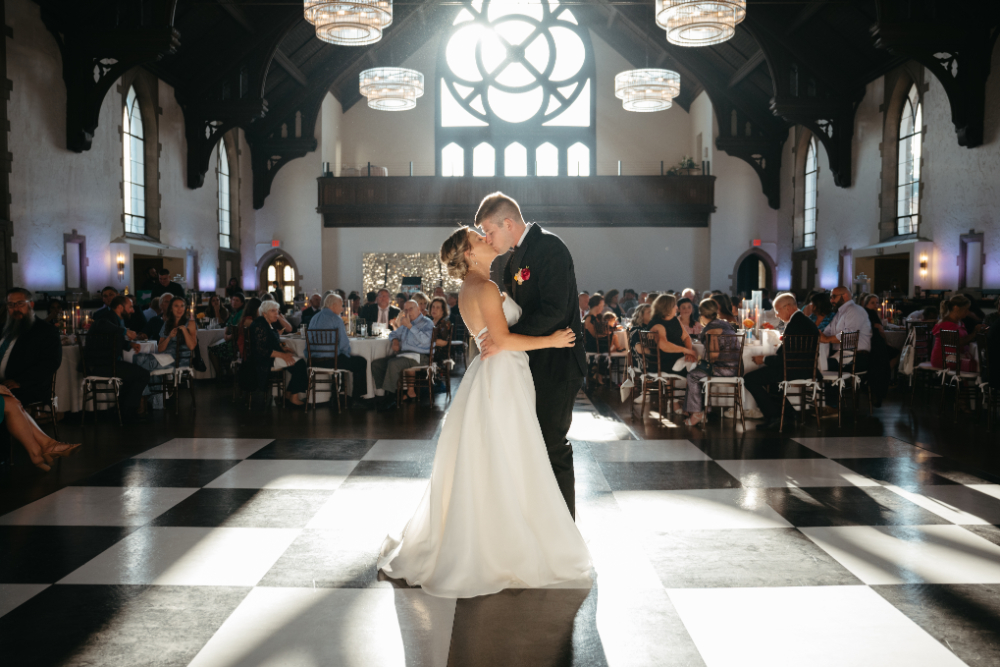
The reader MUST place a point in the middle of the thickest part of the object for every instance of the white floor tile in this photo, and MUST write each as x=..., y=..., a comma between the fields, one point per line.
x=97, y=506
x=188, y=557
x=699, y=509
x=284, y=474
x=641, y=628
x=206, y=448
x=615, y=548
x=593, y=427
x=974, y=505
x=13, y=596
x=363, y=513
x=911, y=554
x=637, y=451
x=780, y=473
x=296, y=627
x=863, y=448
x=400, y=450
x=816, y=626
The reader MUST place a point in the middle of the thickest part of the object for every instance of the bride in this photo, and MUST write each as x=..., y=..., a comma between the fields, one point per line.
x=492, y=516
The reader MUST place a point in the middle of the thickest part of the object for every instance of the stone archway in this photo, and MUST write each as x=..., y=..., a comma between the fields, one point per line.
x=769, y=264
x=275, y=257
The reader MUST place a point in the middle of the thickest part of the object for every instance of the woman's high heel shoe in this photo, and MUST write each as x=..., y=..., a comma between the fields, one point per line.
x=690, y=421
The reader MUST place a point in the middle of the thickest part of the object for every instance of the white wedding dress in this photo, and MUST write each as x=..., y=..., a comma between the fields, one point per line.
x=492, y=516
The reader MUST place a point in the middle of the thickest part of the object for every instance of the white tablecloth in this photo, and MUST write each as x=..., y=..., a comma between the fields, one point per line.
x=752, y=348
x=369, y=348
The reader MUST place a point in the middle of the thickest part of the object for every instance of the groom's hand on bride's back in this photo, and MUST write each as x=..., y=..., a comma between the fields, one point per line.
x=487, y=347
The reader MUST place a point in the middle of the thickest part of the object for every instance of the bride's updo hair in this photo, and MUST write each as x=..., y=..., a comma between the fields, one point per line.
x=453, y=253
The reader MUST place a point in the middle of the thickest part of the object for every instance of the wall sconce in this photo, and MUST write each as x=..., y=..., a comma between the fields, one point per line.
x=923, y=266
x=121, y=266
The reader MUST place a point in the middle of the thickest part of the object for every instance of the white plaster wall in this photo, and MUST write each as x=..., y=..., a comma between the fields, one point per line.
x=785, y=221
x=54, y=190
x=248, y=216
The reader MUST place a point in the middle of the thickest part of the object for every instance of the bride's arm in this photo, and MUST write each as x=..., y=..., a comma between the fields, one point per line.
x=491, y=308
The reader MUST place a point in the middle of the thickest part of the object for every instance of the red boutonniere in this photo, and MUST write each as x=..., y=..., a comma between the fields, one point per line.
x=522, y=275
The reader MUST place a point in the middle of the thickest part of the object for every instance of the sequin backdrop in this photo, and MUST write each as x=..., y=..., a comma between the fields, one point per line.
x=387, y=269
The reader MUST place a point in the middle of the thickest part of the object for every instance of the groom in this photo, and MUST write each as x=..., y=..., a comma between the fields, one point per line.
x=539, y=276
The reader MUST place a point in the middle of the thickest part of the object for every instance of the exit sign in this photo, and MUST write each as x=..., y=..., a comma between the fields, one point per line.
x=277, y=244
x=756, y=242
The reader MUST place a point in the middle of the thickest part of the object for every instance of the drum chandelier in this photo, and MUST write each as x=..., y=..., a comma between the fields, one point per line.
x=392, y=88
x=349, y=22
x=647, y=90
x=699, y=22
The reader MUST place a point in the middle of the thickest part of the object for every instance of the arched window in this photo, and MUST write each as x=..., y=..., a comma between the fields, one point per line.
x=809, y=203
x=134, y=190
x=452, y=160
x=516, y=72
x=908, y=171
x=224, y=214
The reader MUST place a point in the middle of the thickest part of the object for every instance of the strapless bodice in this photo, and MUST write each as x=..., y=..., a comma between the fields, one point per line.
x=511, y=311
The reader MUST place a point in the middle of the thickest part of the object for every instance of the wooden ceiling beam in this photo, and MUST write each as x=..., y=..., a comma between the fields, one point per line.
x=235, y=11
x=285, y=63
x=746, y=69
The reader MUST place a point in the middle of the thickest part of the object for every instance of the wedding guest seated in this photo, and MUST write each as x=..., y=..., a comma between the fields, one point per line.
x=438, y=291
x=107, y=294
x=442, y=328
x=315, y=305
x=380, y=312
x=726, y=308
x=882, y=354
x=154, y=325
x=42, y=450
x=233, y=288
x=584, y=305
x=772, y=370
x=165, y=285
x=611, y=303
x=673, y=342
x=640, y=322
x=953, y=312
x=98, y=358
x=611, y=325
x=629, y=302
x=651, y=297
x=422, y=301
x=30, y=350
x=216, y=311
x=708, y=311
x=410, y=345
x=279, y=324
x=707, y=294
x=821, y=311
x=223, y=353
x=688, y=319
x=355, y=300
x=849, y=317
x=689, y=294
x=765, y=301
x=323, y=356
x=251, y=311
x=277, y=294
x=642, y=297
x=263, y=346
x=595, y=340
x=176, y=325
x=55, y=313
x=401, y=299
x=135, y=320
x=152, y=310
x=453, y=313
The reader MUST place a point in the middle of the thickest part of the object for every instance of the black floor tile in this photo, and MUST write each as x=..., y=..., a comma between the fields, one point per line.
x=185, y=473
x=46, y=554
x=848, y=506
x=910, y=473
x=246, y=508
x=728, y=449
x=965, y=618
x=317, y=559
x=667, y=476
x=115, y=626
x=323, y=450
x=742, y=558
x=391, y=469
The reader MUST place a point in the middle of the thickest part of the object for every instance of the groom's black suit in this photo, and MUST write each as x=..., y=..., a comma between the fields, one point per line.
x=549, y=302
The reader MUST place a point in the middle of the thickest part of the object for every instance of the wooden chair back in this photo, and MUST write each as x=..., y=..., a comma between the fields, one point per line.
x=322, y=340
x=848, y=348
x=799, y=356
x=726, y=350
x=951, y=358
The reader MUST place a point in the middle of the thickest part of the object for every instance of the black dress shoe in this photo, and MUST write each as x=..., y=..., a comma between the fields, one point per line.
x=770, y=425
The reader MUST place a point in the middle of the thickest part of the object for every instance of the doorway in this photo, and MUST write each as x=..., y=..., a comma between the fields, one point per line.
x=753, y=274
x=892, y=274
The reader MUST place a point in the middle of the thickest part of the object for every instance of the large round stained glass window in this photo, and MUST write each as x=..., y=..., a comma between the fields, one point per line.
x=522, y=70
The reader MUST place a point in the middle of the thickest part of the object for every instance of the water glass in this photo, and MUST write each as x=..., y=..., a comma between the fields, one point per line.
x=363, y=330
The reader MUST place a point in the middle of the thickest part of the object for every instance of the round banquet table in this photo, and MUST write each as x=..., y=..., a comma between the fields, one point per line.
x=770, y=340
x=370, y=348
x=895, y=338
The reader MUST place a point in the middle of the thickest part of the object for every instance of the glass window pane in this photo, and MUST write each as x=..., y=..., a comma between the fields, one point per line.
x=272, y=274
x=578, y=160
x=452, y=160
x=289, y=274
x=547, y=160
x=484, y=160
x=515, y=160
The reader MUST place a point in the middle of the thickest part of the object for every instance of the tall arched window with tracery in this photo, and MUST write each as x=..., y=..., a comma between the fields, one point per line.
x=809, y=202
x=516, y=83
x=224, y=212
x=134, y=181
x=908, y=172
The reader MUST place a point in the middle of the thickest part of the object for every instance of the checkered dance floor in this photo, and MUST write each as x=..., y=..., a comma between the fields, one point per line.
x=776, y=551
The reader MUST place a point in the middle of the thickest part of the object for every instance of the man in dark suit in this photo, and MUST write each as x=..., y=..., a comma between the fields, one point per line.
x=109, y=326
x=315, y=305
x=30, y=350
x=380, y=311
x=772, y=369
x=540, y=277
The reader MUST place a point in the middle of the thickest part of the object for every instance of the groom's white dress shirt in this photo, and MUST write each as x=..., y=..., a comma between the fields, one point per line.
x=527, y=227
